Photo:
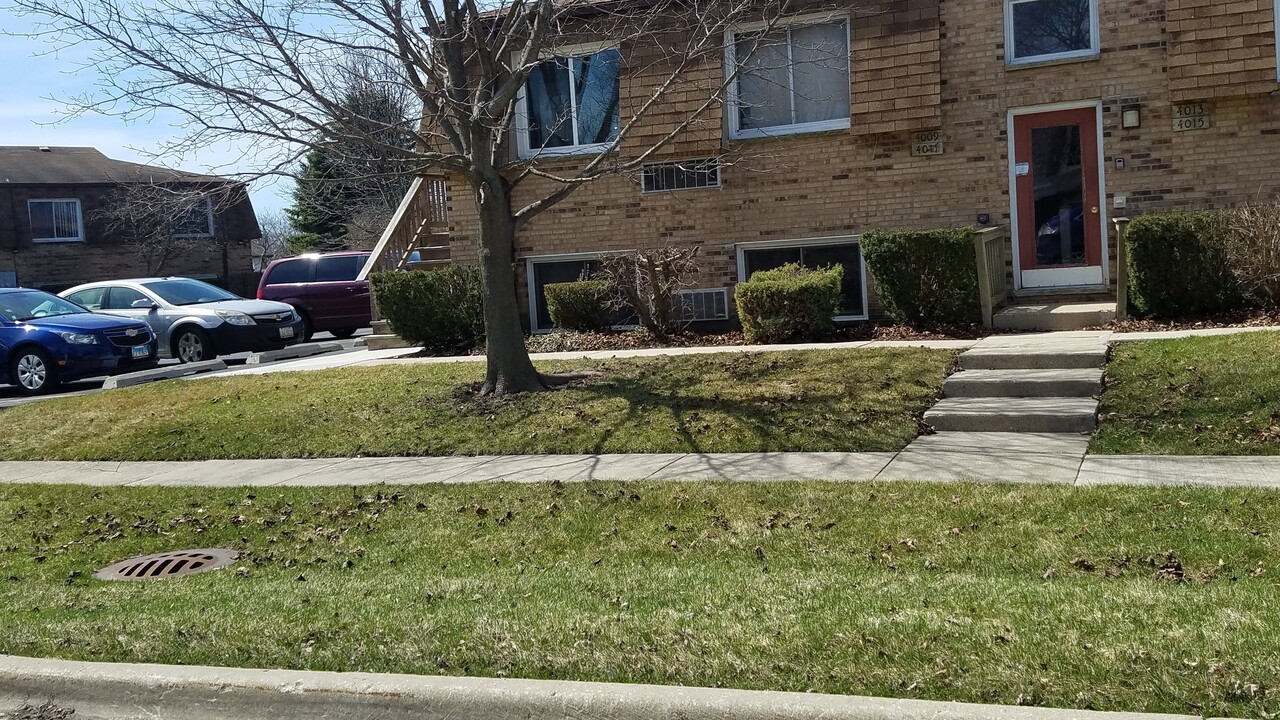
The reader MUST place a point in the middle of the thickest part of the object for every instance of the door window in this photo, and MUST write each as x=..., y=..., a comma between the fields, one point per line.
x=91, y=298
x=122, y=298
x=1058, y=182
x=339, y=268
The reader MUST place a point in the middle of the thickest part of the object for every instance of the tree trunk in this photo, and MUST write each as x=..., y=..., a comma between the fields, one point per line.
x=509, y=368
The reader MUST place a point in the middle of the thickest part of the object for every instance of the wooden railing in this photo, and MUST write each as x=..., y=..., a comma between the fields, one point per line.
x=1122, y=268
x=420, y=224
x=993, y=289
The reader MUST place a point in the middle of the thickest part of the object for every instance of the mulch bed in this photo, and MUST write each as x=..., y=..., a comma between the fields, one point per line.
x=1254, y=318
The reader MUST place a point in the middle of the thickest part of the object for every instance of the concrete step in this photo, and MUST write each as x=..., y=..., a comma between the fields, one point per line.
x=1031, y=415
x=382, y=327
x=1055, y=316
x=1083, y=383
x=384, y=342
x=1075, y=356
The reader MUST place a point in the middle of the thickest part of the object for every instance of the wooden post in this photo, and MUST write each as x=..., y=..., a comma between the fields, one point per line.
x=1122, y=269
x=984, y=277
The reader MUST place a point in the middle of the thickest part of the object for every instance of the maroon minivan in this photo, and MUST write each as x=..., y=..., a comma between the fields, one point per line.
x=323, y=289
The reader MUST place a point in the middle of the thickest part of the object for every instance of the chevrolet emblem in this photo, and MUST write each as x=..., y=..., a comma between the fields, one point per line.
x=131, y=332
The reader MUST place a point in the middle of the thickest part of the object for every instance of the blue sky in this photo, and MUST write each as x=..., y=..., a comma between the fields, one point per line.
x=31, y=85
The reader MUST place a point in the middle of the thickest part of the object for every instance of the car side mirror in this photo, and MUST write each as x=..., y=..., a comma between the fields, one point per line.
x=143, y=304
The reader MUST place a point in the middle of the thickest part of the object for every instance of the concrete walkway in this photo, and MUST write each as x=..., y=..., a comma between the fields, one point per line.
x=118, y=691
x=367, y=358
x=1028, y=458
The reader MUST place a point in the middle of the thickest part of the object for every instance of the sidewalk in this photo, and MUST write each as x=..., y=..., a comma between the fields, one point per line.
x=1001, y=458
x=368, y=358
x=119, y=691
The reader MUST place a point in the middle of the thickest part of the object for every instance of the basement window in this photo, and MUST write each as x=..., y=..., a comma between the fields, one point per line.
x=680, y=175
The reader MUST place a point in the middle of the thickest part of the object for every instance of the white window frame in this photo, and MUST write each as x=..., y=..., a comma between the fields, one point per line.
x=79, y=220
x=208, y=209
x=531, y=291
x=742, y=248
x=719, y=175
x=1095, y=39
x=523, y=148
x=733, y=117
x=722, y=292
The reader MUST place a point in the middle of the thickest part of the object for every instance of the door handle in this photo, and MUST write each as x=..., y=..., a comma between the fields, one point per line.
x=1094, y=210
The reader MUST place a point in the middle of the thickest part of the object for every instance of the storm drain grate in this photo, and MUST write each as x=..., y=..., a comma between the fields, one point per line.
x=167, y=565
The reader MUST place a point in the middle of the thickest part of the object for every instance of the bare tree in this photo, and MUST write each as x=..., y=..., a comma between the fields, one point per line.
x=271, y=71
x=274, y=243
x=163, y=221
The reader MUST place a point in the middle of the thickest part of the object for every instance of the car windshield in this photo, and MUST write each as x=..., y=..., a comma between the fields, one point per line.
x=188, y=292
x=31, y=304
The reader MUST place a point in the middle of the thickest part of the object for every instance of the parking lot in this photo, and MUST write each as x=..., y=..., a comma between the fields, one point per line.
x=10, y=397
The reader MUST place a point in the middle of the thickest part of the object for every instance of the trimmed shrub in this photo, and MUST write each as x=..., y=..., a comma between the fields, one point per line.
x=924, y=277
x=582, y=306
x=1178, y=265
x=789, y=303
x=440, y=309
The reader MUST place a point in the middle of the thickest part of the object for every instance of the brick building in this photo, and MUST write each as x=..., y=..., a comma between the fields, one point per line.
x=1050, y=117
x=55, y=231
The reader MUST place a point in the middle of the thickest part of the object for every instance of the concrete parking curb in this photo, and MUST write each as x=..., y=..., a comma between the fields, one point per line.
x=109, y=691
x=163, y=373
x=293, y=352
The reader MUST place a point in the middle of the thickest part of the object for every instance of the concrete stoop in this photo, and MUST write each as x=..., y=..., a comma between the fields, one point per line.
x=1055, y=316
x=383, y=338
x=1031, y=384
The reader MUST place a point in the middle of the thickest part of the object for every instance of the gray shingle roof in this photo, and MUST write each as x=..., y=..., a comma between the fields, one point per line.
x=30, y=165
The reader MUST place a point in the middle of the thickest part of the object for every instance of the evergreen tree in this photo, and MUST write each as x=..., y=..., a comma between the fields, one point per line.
x=319, y=213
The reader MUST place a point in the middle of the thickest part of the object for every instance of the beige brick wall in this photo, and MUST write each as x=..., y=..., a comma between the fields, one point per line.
x=1221, y=48
x=848, y=182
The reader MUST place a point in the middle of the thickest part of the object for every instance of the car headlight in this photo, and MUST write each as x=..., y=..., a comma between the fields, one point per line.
x=79, y=338
x=235, y=318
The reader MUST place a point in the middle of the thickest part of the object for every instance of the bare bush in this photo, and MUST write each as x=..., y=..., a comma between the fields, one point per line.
x=1252, y=246
x=649, y=282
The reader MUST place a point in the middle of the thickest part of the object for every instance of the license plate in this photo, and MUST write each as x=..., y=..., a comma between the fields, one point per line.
x=286, y=332
x=141, y=351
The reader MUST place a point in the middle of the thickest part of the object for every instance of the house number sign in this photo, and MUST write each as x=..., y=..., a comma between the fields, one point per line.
x=928, y=143
x=1191, y=116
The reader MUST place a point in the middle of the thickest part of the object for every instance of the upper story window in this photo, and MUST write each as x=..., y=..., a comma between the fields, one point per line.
x=56, y=220
x=570, y=104
x=1041, y=30
x=196, y=220
x=791, y=80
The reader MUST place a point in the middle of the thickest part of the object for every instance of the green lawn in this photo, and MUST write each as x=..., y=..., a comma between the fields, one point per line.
x=821, y=401
x=1106, y=598
x=1196, y=396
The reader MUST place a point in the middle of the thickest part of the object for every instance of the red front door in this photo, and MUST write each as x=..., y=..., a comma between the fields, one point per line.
x=1059, y=203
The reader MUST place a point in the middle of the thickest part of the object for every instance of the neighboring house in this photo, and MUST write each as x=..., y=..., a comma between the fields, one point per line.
x=1050, y=117
x=60, y=221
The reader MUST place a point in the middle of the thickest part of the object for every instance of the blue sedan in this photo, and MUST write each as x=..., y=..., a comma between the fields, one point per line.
x=45, y=341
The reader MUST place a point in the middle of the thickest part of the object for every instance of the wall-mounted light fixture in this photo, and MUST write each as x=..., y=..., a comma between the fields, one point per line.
x=1131, y=117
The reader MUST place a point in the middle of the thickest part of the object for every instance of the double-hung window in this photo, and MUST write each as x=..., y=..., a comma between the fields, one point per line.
x=1042, y=30
x=570, y=104
x=790, y=80
x=56, y=220
x=195, y=220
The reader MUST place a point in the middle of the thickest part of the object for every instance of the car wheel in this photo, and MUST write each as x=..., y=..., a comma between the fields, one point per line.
x=192, y=345
x=343, y=333
x=307, y=330
x=33, y=372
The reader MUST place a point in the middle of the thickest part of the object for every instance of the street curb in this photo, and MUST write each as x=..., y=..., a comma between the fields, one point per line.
x=164, y=373
x=293, y=352
x=109, y=691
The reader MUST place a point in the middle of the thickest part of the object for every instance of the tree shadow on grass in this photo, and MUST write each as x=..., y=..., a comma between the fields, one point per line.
x=640, y=396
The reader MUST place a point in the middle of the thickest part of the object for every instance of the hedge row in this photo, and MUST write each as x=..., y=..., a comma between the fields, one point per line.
x=440, y=309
